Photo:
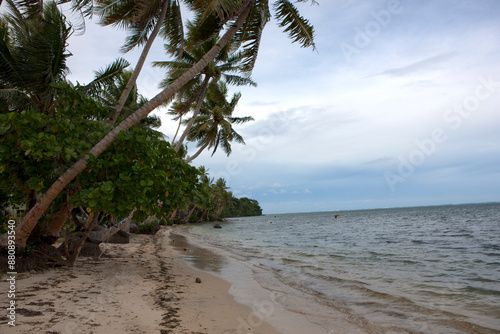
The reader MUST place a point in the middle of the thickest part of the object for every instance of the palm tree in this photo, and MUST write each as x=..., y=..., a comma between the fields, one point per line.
x=224, y=66
x=221, y=198
x=33, y=58
x=248, y=20
x=151, y=15
x=32, y=62
x=109, y=91
x=144, y=20
x=214, y=126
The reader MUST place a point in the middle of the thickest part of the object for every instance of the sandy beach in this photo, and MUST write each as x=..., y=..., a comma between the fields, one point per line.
x=140, y=287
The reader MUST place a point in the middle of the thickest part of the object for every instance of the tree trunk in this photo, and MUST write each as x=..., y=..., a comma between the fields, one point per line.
x=186, y=220
x=104, y=235
x=31, y=218
x=138, y=67
x=188, y=160
x=205, y=213
x=31, y=201
x=185, y=109
x=178, y=127
x=195, y=113
x=51, y=234
x=91, y=223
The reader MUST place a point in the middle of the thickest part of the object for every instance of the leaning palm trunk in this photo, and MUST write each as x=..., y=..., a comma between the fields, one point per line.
x=140, y=63
x=91, y=223
x=178, y=128
x=99, y=236
x=184, y=110
x=195, y=113
x=104, y=235
x=29, y=221
x=54, y=229
x=188, y=160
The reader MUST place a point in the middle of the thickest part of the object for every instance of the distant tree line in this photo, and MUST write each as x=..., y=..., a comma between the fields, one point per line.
x=243, y=207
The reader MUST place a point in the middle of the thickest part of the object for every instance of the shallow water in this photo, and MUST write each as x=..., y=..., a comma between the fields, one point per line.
x=424, y=270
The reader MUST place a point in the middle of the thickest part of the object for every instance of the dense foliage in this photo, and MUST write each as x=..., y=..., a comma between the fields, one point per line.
x=243, y=207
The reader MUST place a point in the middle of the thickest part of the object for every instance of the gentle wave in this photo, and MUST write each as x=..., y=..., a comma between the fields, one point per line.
x=435, y=267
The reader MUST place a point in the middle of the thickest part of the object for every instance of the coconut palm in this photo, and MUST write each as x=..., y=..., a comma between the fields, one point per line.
x=221, y=197
x=110, y=90
x=225, y=66
x=33, y=58
x=143, y=20
x=247, y=19
x=214, y=126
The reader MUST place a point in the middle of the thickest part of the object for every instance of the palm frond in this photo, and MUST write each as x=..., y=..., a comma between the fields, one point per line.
x=173, y=29
x=10, y=71
x=84, y=7
x=240, y=120
x=152, y=122
x=15, y=99
x=138, y=34
x=107, y=76
x=220, y=8
x=201, y=29
x=34, y=59
x=238, y=138
x=298, y=28
x=56, y=31
x=249, y=36
x=147, y=9
x=237, y=80
x=30, y=8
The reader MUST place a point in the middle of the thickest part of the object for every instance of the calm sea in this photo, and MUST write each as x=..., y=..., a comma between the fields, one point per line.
x=405, y=270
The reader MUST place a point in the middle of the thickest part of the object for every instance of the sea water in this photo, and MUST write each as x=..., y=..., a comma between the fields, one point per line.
x=405, y=270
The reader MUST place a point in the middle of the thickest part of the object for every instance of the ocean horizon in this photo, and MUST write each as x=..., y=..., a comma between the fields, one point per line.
x=380, y=208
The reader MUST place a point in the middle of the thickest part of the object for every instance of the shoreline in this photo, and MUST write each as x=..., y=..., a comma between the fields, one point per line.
x=266, y=305
x=250, y=270
x=141, y=287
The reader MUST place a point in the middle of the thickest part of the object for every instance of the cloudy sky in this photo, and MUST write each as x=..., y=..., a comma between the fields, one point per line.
x=398, y=106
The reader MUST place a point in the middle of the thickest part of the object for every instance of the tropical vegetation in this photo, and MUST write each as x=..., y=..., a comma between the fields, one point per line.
x=78, y=156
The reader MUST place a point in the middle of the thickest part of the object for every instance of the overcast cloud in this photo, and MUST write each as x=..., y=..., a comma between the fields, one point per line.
x=399, y=106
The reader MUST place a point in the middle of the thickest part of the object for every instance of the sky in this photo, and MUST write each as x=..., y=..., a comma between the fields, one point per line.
x=398, y=105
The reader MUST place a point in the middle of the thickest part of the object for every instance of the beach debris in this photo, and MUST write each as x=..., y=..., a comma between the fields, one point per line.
x=197, y=280
x=185, y=249
x=217, y=226
x=170, y=298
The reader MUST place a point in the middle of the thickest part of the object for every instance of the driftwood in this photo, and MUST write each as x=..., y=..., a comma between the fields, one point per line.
x=87, y=243
x=106, y=234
